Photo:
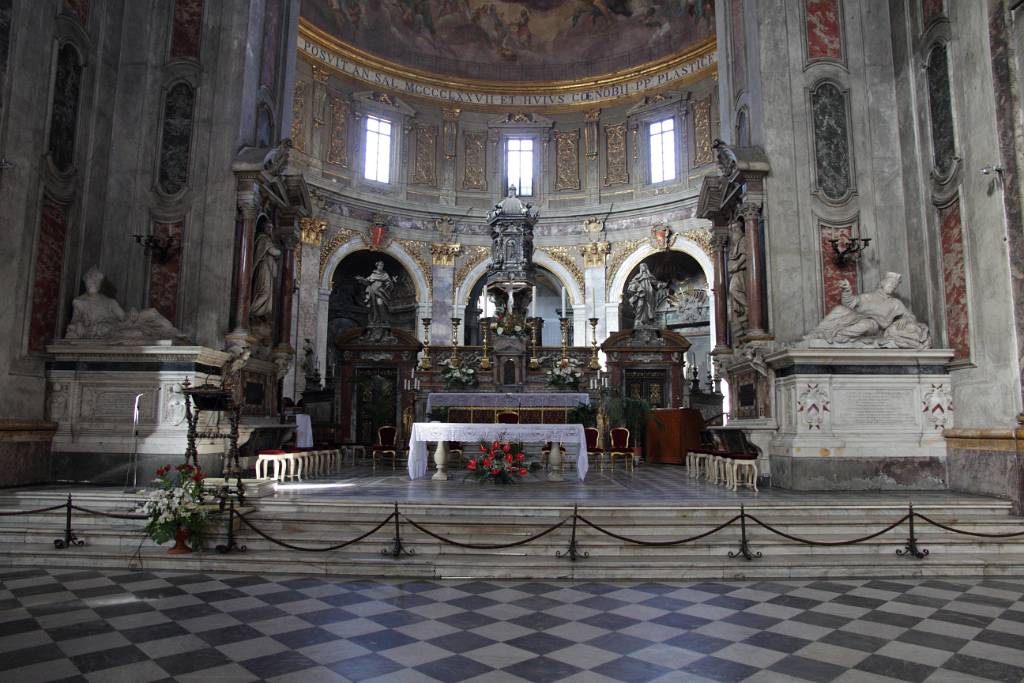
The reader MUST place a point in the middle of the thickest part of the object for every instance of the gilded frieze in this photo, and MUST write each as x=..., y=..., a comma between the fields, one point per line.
x=594, y=253
x=337, y=152
x=567, y=160
x=616, y=172
x=474, y=256
x=566, y=258
x=473, y=177
x=702, y=238
x=620, y=252
x=444, y=254
x=425, y=160
x=415, y=250
x=298, y=107
x=702, y=132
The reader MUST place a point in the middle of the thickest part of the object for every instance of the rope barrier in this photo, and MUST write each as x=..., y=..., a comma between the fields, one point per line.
x=114, y=515
x=657, y=544
x=290, y=546
x=33, y=512
x=807, y=541
x=967, y=533
x=483, y=546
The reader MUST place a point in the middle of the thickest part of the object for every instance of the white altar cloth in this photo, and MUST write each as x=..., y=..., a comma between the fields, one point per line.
x=472, y=434
x=490, y=399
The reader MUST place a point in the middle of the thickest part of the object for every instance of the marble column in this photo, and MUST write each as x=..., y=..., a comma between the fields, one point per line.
x=720, y=243
x=311, y=231
x=750, y=212
x=248, y=208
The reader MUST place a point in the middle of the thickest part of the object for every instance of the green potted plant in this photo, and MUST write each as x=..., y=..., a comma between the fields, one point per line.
x=584, y=414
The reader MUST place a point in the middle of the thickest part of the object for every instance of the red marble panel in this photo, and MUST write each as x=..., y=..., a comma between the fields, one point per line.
x=79, y=9
x=164, y=277
x=831, y=273
x=930, y=9
x=49, y=273
x=187, y=29
x=954, y=281
x=824, y=38
x=271, y=41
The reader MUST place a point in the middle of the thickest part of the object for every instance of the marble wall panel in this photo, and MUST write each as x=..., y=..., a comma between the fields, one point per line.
x=831, y=273
x=64, y=110
x=930, y=10
x=176, y=141
x=49, y=273
x=831, y=140
x=186, y=29
x=940, y=107
x=954, y=281
x=824, y=35
x=164, y=277
x=79, y=9
x=271, y=43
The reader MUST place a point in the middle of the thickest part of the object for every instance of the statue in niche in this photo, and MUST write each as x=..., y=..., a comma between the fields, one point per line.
x=378, y=295
x=97, y=317
x=873, y=319
x=646, y=294
x=264, y=279
x=738, y=276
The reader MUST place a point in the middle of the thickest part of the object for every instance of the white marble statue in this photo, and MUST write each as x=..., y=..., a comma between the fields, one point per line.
x=873, y=319
x=378, y=294
x=645, y=293
x=264, y=280
x=96, y=317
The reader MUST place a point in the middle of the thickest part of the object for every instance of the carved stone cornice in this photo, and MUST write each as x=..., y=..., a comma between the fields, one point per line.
x=594, y=254
x=444, y=254
x=719, y=240
x=312, y=230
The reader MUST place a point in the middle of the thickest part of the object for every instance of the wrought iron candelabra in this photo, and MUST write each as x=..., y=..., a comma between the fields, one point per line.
x=454, y=361
x=533, y=324
x=850, y=252
x=213, y=398
x=425, y=360
x=485, y=359
x=595, y=364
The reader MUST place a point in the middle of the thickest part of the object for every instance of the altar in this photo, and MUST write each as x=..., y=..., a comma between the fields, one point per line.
x=472, y=434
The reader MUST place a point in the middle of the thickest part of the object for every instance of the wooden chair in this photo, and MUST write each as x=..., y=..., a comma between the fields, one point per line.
x=619, y=447
x=507, y=417
x=593, y=450
x=385, y=447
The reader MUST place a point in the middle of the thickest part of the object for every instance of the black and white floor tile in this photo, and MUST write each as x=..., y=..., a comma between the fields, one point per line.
x=77, y=625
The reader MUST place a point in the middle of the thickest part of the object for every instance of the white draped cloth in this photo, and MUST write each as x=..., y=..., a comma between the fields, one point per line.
x=422, y=432
x=303, y=431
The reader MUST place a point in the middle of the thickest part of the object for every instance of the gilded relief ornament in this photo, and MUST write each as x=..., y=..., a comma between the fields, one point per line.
x=662, y=237
x=312, y=230
x=473, y=177
x=594, y=253
x=444, y=254
x=567, y=160
x=616, y=172
x=702, y=132
x=379, y=238
x=298, y=104
x=425, y=165
x=338, y=149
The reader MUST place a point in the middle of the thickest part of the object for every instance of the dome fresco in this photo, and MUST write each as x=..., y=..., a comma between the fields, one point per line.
x=522, y=40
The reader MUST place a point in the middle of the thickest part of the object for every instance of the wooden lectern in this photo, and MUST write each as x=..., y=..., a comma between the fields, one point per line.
x=671, y=433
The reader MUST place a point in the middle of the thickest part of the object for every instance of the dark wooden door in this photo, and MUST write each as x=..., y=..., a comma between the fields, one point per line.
x=376, y=402
x=649, y=385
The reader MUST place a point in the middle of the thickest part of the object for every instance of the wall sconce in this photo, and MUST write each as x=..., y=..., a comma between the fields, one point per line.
x=161, y=247
x=850, y=253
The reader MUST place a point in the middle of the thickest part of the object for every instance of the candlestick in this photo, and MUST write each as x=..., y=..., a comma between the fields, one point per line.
x=533, y=302
x=534, y=362
x=454, y=360
x=563, y=313
x=425, y=361
x=595, y=364
x=564, y=322
x=485, y=358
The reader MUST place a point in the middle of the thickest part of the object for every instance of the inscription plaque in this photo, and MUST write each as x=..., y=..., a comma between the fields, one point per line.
x=876, y=407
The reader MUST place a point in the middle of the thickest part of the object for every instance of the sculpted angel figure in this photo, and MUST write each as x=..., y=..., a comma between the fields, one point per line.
x=873, y=319
x=378, y=294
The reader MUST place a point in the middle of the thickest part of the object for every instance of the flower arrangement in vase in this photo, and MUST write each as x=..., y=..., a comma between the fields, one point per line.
x=174, y=509
x=499, y=462
x=510, y=325
x=565, y=374
x=457, y=376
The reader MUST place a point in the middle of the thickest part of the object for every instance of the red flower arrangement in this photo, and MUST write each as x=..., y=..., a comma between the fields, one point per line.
x=499, y=462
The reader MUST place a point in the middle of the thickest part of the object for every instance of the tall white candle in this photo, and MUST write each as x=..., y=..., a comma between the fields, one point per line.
x=533, y=302
x=565, y=314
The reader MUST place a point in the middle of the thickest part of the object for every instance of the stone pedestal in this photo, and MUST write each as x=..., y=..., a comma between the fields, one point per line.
x=91, y=390
x=860, y=419
x=25, y=451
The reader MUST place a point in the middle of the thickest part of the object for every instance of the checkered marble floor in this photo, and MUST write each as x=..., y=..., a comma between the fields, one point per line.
x=58, y=624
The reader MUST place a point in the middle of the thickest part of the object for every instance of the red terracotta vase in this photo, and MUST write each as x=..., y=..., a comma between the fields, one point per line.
x=181, y=537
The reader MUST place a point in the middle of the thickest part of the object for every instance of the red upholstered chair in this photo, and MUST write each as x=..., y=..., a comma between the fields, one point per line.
x=593, y=450
x=385, y=448
x=619, y=447
x=507, y=417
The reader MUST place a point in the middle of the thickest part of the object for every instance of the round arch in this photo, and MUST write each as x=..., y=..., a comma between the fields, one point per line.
x=356, y=244
x=560, y=272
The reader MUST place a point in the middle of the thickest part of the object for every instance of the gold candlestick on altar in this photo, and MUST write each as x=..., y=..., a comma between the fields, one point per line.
x=534, y=361
x=425, y=361
x=595, y=364
x=564, y=322
x=454, y=361
x=485, y=359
